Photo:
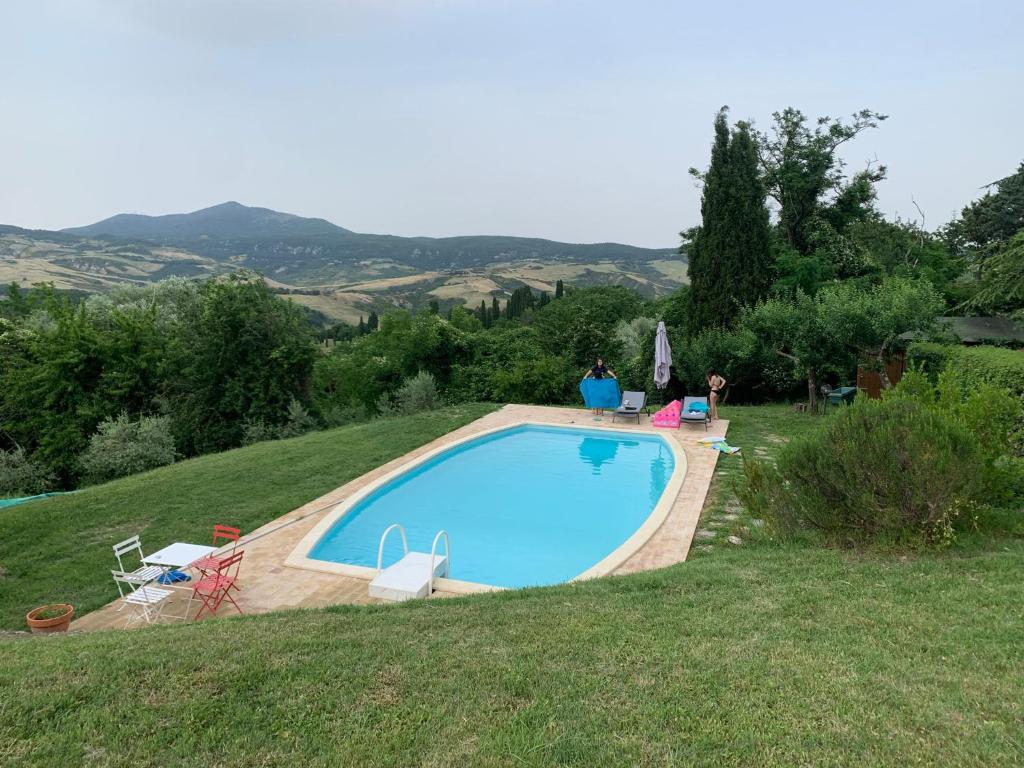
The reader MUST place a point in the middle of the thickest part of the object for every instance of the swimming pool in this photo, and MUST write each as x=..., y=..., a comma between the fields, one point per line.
x=524, y=505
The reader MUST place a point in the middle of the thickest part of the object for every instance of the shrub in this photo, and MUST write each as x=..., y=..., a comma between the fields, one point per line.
x=630, y=335
x=893, y=470
x=339, y=416
x=546, y=379
x=258, y=431
x=973, y=367
x=123, y=447
x=418, y=393
x=298, y=422
x=20, y=476
x=929, y=357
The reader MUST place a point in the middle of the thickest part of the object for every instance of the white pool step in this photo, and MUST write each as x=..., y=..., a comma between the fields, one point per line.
x=411, y=576
x=408, y=578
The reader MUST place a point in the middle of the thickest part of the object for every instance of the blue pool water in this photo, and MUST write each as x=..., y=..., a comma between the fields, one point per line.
x=524, y=506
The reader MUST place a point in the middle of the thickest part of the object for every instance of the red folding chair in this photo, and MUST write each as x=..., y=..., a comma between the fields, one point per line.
x=214, y=588
x=221, y=535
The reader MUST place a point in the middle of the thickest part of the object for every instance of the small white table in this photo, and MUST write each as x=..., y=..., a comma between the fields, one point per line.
x=177, y=555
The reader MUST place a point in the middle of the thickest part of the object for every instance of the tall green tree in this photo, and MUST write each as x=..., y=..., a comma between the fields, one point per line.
x=806, y=177
x=730, y=261
x=988, y=223
x=1001, y=288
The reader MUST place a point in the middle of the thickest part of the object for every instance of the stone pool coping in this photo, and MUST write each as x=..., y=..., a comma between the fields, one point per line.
x=268, y=585
x=299, y=557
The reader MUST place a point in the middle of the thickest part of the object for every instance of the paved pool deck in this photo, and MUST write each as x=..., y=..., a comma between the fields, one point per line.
x=267, y=584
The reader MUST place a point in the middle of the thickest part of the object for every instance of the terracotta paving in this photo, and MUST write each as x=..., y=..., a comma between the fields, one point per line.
x=268, y=585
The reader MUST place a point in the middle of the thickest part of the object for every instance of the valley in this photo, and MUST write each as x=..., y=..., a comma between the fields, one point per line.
x=340, y=274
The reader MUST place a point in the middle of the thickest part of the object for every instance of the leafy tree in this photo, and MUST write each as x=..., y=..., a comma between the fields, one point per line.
x=730, y=253
x=797, y=330
x=826, y=333
x=434, y=307
x=797, y=272
x=807, y=180
x=580, y=326
x=1001, y=288
x=247, y=356
x=986, y=224
x=545, y=379
x=905, y=249
x=464, y=320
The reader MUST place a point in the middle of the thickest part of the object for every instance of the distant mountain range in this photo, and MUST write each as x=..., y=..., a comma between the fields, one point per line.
x=333, y=270
x=281, y=244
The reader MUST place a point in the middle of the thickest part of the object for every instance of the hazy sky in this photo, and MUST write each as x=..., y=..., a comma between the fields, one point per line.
x=561, y=119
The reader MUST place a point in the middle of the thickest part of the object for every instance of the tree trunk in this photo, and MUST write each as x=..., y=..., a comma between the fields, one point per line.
x=883, y=369
x=812, y=392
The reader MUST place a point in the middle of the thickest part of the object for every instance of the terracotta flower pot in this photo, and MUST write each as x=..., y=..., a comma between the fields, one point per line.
x=45, y=626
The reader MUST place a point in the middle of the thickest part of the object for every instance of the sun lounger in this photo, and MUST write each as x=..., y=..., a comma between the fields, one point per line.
x=695, y=410
x=632, y=404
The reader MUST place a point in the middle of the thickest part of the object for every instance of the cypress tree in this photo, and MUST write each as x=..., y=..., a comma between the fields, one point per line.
x=362, y=326
x=435, y=308
x=373, y=323
x=751, y=274
x=559, y=289
x=729, y=254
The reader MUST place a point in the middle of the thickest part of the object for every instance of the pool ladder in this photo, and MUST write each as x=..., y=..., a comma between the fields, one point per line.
x=413, y=575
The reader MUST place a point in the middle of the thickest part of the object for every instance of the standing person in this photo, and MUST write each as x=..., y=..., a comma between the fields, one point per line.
x=716, y=384
x=599, y=371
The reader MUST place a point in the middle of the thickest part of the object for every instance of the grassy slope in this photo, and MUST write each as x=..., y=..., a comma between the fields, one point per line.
x=760, y=655
x=59, y=548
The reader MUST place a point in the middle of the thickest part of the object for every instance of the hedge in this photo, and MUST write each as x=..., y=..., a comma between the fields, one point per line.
x=972, y=366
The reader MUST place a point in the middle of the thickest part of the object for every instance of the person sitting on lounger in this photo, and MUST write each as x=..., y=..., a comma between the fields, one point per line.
x=716, y=384
x=600, y=371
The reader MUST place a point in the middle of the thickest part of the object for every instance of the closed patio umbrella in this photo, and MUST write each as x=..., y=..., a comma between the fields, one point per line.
x=662, y=357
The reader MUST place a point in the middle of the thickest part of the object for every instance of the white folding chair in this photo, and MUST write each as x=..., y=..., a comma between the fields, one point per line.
x=146, y=600
x=146, y=573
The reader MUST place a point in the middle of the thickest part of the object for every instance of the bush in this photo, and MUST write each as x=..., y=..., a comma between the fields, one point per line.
x=630, y=335
x=20, y=476
x=299, y=422
x=123, y=447
x=547, y=379
x=418, y=393
x=975, y=366
x=339, y=416
x=258, y=431
x=929, y=357
x=892, y=470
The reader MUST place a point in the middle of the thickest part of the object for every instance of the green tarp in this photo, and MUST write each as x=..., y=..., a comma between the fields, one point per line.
x=23, y=499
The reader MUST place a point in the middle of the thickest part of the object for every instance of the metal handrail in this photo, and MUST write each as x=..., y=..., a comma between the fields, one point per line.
x=380, y=549
x=447, y=561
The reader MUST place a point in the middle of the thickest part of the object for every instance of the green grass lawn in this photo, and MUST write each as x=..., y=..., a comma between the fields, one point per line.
x=59, y=549
x=758, y=431
x=758, y=654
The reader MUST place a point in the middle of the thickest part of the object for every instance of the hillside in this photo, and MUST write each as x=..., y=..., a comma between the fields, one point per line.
x=333, y=270
x=763, y=654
